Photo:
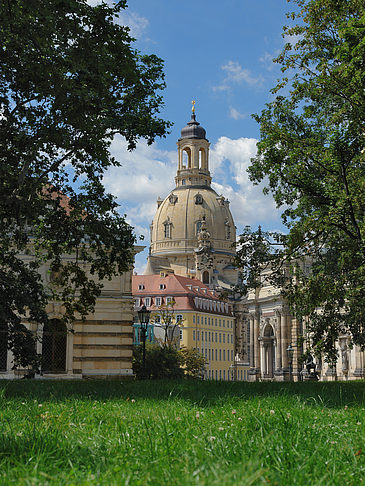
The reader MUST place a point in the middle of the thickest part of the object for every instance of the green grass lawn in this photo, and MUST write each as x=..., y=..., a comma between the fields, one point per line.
x=182, y=433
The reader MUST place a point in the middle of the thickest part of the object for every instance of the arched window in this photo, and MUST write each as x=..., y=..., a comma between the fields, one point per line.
x=206, y=277
x=3, y=346
x=167, y=230
x=202, y=159
x=54, y=343
x=198, y=226
x=186, y=158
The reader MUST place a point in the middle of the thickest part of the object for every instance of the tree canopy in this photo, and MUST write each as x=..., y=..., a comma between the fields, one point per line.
x=70, y=80
x=311, y=153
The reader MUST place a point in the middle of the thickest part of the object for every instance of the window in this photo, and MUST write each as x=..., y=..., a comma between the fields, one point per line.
x=216, y=354
x=209, y=336
x=198, y=319
x=224, y=374
x=158, y=301
x=224, y=354
x=157, y=319
x=205, y=320
x=206, y=336
x=224, y=323
x=220, y=374
x=54, y=344
x=216, y=374
x=220, y=355
x=197, y=335
x=162, y=286
x=209, y=354
x=220, y=337
x=167, y=230
x=216, y=336
x=193, y=318
x=138, y=302
x=216, y=322
x=179, y=318
x=219, y=323
x=198, y=227
x=193, y=335
x=183, y=182
x=173, y=199
x=3, y=346
x=198, y=199
x=181, y=334
x=231, y=354
x=147, y=301
x=208, y=321
x=202, y=336
x=168, y=300
x=140, y=287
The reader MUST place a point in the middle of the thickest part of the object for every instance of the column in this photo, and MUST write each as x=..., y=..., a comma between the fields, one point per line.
x=252, y=340
x=257, y=357
x=284, y=337
x=278, y=341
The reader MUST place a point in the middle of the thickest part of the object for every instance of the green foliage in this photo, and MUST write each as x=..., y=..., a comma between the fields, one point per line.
x=70, y=81
x=161, y=362
x=103, y=433
x=194, y=362
x=168, y=362
x=312, y=154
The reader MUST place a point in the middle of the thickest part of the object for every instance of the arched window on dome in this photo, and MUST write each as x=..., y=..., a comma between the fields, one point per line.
x=228, y=229
x=205, y=277
x=167, y=229
x=198, y=227
x=186, y=158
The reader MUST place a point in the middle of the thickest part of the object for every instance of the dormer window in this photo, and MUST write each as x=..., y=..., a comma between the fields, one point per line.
x=198, y=199
x=173, y=199
x=140, y=287
x=162, y=286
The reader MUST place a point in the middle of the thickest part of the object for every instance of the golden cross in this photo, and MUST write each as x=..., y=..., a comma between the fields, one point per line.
x=193, y=107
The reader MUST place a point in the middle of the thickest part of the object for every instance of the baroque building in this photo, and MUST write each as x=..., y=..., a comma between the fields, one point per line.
x=193, y=232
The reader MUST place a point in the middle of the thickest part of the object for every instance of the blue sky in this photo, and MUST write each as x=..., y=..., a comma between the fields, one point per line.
x=218, y=53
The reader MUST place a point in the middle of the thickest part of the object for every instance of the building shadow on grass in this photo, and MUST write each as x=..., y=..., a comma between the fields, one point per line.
x=204, y=393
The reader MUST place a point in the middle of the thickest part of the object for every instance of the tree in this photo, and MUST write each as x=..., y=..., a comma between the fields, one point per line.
x=162, y=362
x=311, y=152
x=164, y=318
x=194, y=362
x=70, y=81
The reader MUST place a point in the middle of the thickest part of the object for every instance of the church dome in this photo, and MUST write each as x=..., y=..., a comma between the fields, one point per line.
x=193, y=129
x=179, y=219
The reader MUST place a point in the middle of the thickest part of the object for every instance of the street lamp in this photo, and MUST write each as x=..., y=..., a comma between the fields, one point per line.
x=290, y=354
x=144, y=319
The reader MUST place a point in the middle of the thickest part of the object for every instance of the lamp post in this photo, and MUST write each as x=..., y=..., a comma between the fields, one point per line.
x=290, y=354
x=144, y=319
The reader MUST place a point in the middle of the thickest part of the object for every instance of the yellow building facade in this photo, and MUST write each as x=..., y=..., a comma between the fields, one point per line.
x=200, y=319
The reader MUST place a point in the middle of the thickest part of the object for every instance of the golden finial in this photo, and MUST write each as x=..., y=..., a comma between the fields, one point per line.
x=193, y=107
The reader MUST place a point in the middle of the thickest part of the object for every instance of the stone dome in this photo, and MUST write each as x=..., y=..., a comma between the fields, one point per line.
x=193, y=129
x=178, y=220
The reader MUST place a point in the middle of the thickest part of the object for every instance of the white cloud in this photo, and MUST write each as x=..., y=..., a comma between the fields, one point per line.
x=148, y=172
x=235, y=114
x=236, y=74
x=230, y=159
